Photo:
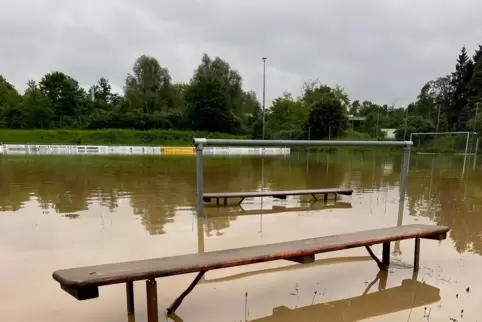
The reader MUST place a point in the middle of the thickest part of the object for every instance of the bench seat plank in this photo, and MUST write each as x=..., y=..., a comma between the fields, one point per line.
x=153, y=268
x=248, y=194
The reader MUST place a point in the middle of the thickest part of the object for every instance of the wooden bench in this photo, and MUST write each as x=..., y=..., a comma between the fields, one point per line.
x=83, y=282
x=275, y=194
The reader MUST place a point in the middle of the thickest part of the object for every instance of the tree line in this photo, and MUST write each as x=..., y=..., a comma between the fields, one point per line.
x=214, y=100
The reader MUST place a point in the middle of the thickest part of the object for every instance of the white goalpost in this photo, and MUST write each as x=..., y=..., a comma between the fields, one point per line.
x=467, y=148
x=455, y=143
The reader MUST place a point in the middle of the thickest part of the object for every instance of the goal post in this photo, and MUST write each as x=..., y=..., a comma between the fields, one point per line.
x=458, y=143
x=465, y=144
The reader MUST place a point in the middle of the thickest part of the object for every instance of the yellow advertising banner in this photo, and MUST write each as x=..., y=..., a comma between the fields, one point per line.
x=180, y=150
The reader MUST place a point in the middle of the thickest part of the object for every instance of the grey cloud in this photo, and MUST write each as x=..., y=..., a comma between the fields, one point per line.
x=377, y=50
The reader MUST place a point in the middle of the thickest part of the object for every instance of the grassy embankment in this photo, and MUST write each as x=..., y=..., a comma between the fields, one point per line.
x=108, y=137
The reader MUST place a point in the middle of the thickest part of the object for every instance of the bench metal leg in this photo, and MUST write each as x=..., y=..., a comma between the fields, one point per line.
x=151, y=291
x=225, y=201
x=217, y=201
x=173, y=307
x=416, y=259
x=335, y=196
x=386, y=255
x=314, y=196
x=325, y=197
x=130, y=297
x=240, y=201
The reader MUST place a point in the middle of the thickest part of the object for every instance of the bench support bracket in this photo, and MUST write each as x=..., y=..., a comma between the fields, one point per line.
x=82, y=293
x=173, y=307
x=383, y=265
x=304, y=259
x=440, y=236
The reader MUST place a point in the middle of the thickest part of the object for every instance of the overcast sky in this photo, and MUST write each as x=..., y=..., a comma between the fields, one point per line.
x=382, y=50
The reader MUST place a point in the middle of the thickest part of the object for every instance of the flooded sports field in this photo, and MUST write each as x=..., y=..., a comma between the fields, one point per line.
x=67, y=211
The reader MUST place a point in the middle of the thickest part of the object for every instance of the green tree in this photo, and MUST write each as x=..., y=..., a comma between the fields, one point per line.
x=214, y=97
x=326, y=118
x=103, y=93
x=8, y=94
x=376, y=117
x=415, y=124
x=251, y=109
x=314, y=90
x=476, y=80
x=458, y=114
x=441, y=91
x=327, y=109
x=178, y=95
x=64, y=97
x=396, y=116
x=38, y=113
x=286, y=116
x=355, y=108
x=148, y=89
x=9, y=98
x=425, y=103
x=15, y=117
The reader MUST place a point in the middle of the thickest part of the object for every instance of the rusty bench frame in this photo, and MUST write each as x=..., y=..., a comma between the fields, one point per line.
x=275, y=194
x=83, y=282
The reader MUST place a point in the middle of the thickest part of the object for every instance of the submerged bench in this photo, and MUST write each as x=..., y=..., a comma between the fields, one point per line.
x=275, y=194
x=83, y=282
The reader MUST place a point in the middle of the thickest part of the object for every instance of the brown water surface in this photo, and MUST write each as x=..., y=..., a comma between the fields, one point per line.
x=67, y=211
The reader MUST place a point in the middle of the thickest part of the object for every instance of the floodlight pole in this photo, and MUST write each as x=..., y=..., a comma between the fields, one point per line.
x=264, y=91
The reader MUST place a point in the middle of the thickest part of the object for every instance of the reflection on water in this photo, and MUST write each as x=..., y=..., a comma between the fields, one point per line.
x=320, y=262
x=64, y=211
x=410, y=294
x=250, y=209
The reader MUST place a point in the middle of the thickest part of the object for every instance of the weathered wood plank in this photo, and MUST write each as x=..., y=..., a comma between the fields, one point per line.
x=152, y=268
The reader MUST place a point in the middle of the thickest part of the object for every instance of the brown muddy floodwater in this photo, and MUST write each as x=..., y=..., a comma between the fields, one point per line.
x=67, y=211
